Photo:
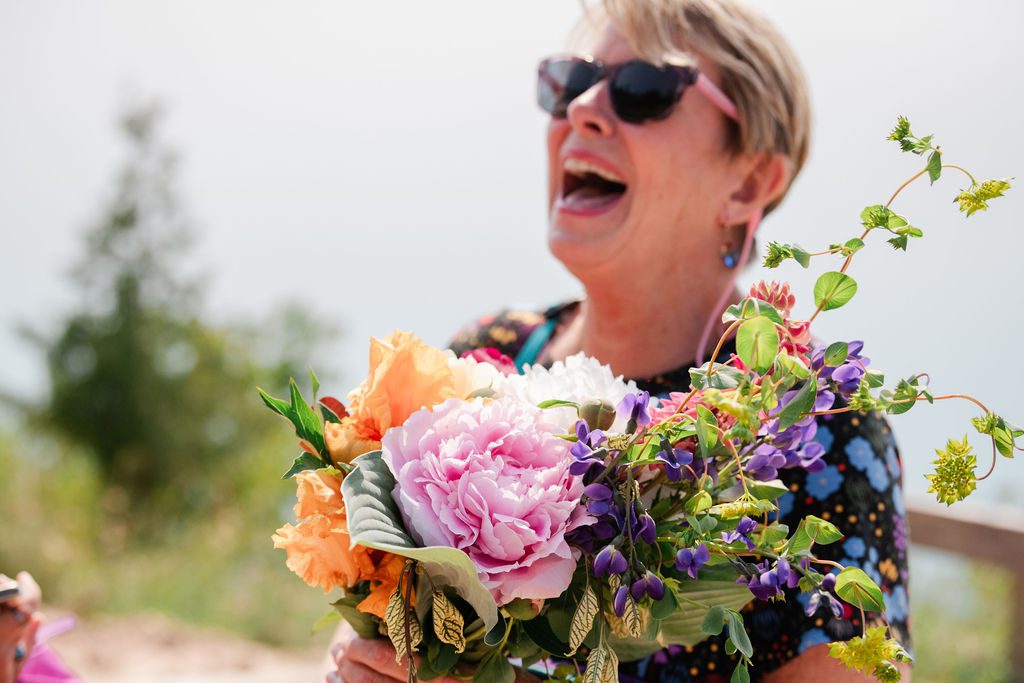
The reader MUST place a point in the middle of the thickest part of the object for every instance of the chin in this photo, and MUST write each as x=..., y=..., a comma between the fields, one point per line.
x=583, y=248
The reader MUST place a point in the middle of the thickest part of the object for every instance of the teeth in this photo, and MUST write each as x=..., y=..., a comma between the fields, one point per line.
x=578, y=167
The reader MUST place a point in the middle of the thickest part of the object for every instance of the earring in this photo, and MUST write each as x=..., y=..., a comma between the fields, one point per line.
x=731, y=254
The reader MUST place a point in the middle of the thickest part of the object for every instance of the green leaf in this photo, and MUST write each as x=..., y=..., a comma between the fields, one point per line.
x=750, y=308
x=802, y=403
x=328, y=414
x=698, y=502
x=738, y=634
x=307, y=424
x=834, y=289
x=725, y=377
x=767, y=490
x=665, y=607
x=375, y=522
x=854, y=245
x=540, y=632
x=875, y=379
x=707, y=429
x=875, y=216
x=934, y=166
x=495, y=669
x=801, y=256
x=306, y=461
x=810, y=531
x=326, y=619
x=857, y=588
x=553, y=403
x=315, y=382
x=365, y=625
x=740, y=674
x=757, y=342
x=684, y=627
x=836, y=354
x=714, y=621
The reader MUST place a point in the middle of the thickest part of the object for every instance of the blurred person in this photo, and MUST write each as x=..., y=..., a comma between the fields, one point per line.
x=19, y=623
x=672, y=132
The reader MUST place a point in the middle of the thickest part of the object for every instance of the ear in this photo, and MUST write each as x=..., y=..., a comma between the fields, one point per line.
x=762, y=179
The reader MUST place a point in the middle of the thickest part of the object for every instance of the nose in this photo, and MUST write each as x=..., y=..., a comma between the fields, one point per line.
x=590, y=114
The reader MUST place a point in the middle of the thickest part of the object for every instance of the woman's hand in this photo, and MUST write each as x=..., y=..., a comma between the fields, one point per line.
x=373, y=661
x=18, y=626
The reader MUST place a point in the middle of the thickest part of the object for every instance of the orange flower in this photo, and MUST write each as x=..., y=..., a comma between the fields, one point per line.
x=320, y=549
x=405, y=376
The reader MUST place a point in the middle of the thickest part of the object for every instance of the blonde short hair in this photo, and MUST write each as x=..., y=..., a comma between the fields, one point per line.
x=758, y=69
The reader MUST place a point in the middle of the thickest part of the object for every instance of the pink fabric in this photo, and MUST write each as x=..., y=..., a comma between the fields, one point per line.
x=43, y=665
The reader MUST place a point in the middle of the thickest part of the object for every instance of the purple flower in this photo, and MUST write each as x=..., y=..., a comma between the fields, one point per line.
x=691, y=560
x=768, y=582
x=846, y=376
x=767, y=461
x=584, y=448
x=610, y=561
x=742, y=532
x=648, y=584
x=648, y=532
x=619, y=601
x=674, y=459
x=633, y=408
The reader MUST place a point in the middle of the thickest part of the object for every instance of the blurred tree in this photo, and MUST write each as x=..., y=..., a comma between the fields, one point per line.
x=164, y=400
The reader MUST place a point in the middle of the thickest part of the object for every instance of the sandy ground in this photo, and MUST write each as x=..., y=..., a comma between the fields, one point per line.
x=154, y=649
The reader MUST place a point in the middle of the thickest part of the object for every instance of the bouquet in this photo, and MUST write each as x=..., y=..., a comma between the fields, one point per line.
x=482, y=518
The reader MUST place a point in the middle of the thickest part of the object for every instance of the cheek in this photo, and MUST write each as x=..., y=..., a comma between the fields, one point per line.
x=558, y=130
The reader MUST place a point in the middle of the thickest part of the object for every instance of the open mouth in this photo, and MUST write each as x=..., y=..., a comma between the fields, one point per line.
x=587, y=188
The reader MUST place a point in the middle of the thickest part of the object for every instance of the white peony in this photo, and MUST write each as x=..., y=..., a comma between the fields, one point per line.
x=578, y=378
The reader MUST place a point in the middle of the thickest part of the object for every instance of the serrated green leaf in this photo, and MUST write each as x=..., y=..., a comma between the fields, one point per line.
x=836, y=354
x=857, y=588
x=834, y=289
x=757, y=342
x=375, y=522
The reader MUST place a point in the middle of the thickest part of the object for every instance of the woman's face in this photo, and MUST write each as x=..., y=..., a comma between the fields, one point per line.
x=676, y=174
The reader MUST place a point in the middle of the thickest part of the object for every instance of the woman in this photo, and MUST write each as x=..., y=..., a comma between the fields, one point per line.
x=657, y=180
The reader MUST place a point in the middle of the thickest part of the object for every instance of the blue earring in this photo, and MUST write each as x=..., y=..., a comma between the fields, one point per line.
x=730, y=254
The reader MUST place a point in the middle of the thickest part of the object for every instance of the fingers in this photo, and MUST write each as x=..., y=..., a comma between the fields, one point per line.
x=31, y=594
x=377, y=656
x=354, y=672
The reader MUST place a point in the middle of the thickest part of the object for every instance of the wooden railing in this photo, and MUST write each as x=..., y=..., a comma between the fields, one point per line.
x=985, y=533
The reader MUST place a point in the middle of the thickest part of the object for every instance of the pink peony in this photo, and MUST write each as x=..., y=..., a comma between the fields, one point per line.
x=491, y=479
x=492, y=356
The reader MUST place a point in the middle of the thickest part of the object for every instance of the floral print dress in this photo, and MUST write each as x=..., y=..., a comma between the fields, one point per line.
x=860, y=490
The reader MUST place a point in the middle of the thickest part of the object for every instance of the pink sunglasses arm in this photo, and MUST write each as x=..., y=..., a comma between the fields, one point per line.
x=716, y=96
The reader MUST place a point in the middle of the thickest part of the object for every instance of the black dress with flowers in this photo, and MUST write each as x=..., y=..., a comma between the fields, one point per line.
x=859, y=490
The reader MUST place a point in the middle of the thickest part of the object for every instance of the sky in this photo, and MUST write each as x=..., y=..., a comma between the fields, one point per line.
x=384, y=162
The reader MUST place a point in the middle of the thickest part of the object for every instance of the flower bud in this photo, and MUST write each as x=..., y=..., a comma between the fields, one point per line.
x=598, y=414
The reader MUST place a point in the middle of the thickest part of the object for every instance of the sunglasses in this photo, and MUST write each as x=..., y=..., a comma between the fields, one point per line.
x=639, y=91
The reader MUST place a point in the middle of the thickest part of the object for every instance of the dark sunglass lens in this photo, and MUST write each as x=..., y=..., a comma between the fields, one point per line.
x=642, y=91
x=560, y=81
